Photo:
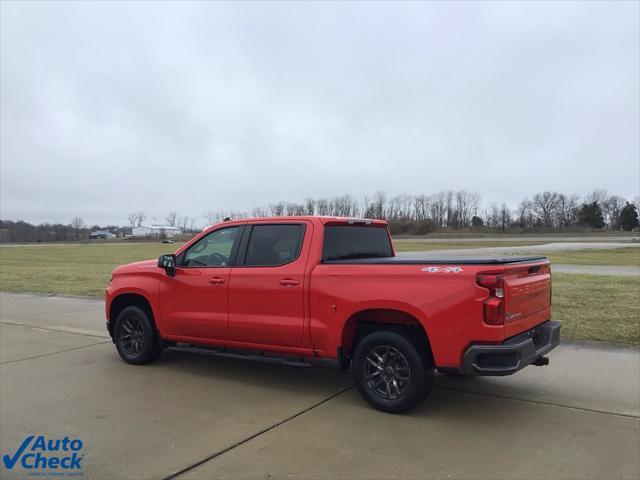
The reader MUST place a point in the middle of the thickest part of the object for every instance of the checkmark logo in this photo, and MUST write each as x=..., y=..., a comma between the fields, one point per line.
x=10, y=462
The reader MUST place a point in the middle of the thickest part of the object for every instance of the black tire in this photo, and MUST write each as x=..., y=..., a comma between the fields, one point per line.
x=136, y=339
x=394, y=383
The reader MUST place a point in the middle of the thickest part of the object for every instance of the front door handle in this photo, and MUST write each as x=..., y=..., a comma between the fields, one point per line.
x=216, y=280
x=288, y=282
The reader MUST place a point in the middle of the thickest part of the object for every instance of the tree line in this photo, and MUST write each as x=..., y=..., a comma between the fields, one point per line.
x=407, y=214
x=462, y=210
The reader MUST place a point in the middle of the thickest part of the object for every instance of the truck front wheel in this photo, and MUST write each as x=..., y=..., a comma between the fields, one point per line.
x=135, y=337
x=390, y=372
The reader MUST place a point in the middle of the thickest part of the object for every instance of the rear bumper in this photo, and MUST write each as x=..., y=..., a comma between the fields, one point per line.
x=514, y=354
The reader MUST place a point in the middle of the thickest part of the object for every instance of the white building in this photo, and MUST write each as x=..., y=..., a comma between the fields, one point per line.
x=155, y=231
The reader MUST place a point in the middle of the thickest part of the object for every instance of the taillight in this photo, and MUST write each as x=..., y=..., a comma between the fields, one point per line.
x=494, y=305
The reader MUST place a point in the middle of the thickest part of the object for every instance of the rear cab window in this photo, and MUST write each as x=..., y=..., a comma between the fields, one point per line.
x=273, y=245
x=347, y=242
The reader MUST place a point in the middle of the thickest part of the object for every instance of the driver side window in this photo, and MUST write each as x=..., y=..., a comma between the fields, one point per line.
x=214, y=250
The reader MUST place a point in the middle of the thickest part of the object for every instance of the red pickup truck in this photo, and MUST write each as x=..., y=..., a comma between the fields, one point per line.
x=333, y=288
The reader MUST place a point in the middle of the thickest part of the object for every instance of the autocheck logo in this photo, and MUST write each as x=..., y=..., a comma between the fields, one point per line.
x=39, y=454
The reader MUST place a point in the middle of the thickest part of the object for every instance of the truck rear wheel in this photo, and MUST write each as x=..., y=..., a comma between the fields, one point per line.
x=390, y=372
x=136, y=338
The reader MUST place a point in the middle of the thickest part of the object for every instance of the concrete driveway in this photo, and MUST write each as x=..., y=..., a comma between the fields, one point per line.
x=197, y=416
x=630, y=270
x=521, y=250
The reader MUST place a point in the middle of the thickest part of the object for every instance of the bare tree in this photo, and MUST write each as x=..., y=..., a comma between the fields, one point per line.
x=171, y=219
x=310, y=205
x=567, y=211
x=322, y=206
x=598, y=195
x=210, y=216
x=259, y=212
x=185, y=223
x=466, y=205
x=452, y=217
x=379, y=205
x=421, y=205
x=277, y=209
x=493, y=216
x=292, y=209
x=140, y=217
x=525, y=214
x=132, y=219
x=505, y=217
x=611, y=209
x=77, y=224
x=438, y=208
x=344, y=206
x=545, y=205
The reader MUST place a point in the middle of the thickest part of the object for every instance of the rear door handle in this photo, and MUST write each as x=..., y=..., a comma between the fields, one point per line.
x=216, y=280
x=288, y=282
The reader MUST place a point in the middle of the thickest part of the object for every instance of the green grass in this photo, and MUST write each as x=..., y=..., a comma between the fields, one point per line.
x=597, y=307
x=626, y=256
x=590, y=307
x=69, y=269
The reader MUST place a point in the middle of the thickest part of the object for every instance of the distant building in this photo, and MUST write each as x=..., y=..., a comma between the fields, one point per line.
x=101, y=234
x=155, y=231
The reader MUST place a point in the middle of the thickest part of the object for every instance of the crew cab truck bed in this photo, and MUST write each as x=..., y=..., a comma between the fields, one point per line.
x=333, y=288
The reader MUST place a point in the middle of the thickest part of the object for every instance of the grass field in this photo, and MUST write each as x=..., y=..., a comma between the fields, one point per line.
x=69, y=269
x=601, y=308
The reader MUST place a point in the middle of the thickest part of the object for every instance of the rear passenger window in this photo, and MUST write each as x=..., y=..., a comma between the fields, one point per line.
x=271, y=245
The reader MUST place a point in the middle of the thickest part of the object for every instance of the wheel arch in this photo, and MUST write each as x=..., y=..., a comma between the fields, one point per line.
x=367, y=320
x=129, y=299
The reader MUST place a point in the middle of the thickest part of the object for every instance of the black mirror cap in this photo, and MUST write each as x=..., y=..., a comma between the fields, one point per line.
x=168, y=262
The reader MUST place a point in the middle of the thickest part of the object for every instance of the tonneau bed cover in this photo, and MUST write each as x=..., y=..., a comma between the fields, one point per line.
x=399, y=260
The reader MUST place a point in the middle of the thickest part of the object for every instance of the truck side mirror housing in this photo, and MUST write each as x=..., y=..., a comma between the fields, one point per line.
x=168, y=262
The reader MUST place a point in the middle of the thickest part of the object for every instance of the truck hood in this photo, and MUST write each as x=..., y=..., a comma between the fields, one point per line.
x=136, y=267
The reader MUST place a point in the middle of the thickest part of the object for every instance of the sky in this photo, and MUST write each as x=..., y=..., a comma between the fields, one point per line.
x=108, y=108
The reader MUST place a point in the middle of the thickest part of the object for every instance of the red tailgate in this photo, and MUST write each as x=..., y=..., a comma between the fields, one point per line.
x=527, y=296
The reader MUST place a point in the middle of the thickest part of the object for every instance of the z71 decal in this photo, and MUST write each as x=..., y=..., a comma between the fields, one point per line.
x=442, y=269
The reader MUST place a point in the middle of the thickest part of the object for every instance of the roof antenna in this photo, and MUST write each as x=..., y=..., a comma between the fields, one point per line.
x=226, y=219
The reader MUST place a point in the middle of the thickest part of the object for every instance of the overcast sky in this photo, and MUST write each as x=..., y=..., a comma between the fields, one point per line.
x=114, y=107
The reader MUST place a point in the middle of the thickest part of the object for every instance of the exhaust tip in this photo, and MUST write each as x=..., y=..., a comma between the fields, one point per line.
x=540, y=361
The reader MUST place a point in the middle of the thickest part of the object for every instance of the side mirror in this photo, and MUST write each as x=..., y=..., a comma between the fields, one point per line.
x=168, y=262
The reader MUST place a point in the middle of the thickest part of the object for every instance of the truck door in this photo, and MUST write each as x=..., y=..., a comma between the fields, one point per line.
x=194, y=302
x=266, y=287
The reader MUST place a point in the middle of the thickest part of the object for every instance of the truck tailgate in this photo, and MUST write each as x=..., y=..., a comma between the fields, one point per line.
x=527, y=296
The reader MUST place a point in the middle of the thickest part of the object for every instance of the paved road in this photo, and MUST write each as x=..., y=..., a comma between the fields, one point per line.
x=519, y=238
x=542, y=249
x=198, y=416
x=624, y=271
x=538, y=250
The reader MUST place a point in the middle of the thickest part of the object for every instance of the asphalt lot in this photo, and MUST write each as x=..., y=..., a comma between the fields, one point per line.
x=201, y=416
x=562, y=246
x=520, y=238
x=553, y=247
